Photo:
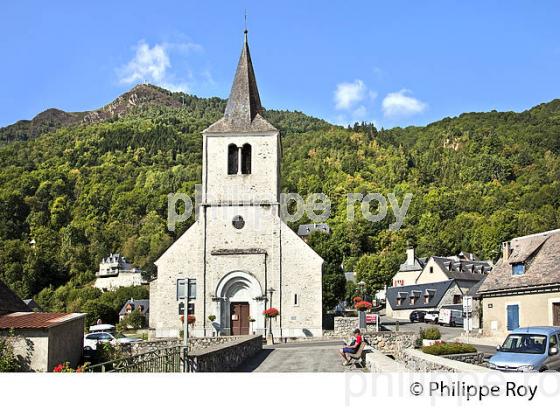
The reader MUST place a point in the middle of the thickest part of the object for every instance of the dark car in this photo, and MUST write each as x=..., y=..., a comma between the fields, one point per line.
x=417, y=316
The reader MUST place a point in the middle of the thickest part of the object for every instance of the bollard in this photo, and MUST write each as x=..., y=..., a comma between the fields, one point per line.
x=397, y=326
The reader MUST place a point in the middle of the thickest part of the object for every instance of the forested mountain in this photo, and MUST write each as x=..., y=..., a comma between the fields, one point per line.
x=81, y=185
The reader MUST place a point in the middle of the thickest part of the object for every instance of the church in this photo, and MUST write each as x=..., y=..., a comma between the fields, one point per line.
x=244, y=258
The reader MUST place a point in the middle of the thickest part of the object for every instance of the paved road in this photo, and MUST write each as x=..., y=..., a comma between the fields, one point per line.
x=447, y=333
x=302, y=357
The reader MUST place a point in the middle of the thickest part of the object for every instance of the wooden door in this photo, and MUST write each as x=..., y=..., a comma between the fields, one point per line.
x=556, y=314
x=239, y=318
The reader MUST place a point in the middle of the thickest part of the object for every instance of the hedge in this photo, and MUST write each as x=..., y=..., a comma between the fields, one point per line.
x=440, y=349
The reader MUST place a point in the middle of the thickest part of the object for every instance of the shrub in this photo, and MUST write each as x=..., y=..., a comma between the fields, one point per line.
x=211, y=318
x=8, y=360
x=431, y=333
x=440, y=349
x=134, y=320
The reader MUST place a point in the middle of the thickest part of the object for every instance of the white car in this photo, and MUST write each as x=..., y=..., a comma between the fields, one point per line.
x=432, y=316
x=91, y=340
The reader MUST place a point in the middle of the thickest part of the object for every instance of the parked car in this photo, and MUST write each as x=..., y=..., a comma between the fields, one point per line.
x=431, y=316
x=417, y=316
x=450, y=317
x=92, y=340
x=528, y=349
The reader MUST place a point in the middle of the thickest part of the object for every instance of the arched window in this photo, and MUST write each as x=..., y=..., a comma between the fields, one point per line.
x=246, y=159
x=233, y=159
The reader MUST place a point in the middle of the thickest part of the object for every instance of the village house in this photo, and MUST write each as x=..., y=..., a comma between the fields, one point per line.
x=241, y=254
x=115, y=272
x=136, y=305
x=523, y=289
x=403, y=300
x=409, y=270
x=41, y=340
x=428, y=284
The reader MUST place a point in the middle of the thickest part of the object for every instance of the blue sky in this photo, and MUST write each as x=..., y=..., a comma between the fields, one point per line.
x=391, y=62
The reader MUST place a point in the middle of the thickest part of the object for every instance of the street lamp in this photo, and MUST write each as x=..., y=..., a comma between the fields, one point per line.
x=362, y=286
x=270, y=291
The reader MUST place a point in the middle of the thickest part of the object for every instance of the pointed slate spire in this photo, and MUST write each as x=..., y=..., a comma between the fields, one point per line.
x=243, y=108
x=244, y=101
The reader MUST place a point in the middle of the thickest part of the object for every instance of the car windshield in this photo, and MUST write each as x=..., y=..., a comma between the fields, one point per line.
x=525, y=343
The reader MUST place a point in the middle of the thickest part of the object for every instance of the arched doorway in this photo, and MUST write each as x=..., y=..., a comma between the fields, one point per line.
x=240, y=298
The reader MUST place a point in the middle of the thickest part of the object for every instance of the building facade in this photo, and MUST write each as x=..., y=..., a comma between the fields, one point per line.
x=115, y=272
x=243, y=257
x=524, y=287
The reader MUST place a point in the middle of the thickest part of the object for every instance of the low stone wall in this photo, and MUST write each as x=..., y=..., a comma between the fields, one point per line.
x=195, y=343
x=418, y=361
x=226, y=356
x=471, y=358
x=390, y=342
x=345, y=325
x=377, y=362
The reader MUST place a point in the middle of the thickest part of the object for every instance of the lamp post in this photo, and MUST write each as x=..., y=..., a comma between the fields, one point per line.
x=270, y=337
x=361, y=314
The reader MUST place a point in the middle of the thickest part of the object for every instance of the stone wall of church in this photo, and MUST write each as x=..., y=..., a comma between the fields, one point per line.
x=301, y=275
x=183, y=259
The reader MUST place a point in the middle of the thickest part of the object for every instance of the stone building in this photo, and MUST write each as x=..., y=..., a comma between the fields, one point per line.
x=524, y=287
x=40, y=340
x=115, y=272
x=243, y=257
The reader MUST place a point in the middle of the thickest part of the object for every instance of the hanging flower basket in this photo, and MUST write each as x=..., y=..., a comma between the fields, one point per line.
x=271, y=312
x=362, y=306
x=190, y=319
x=356, y=299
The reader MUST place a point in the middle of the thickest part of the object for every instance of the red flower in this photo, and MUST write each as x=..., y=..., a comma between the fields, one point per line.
x=190, y=319
x=356, y=299
x=58, y=368
x=271, y=312
x=363, y=306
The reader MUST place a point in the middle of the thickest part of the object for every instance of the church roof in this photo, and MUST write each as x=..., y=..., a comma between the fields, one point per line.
x=243, y=108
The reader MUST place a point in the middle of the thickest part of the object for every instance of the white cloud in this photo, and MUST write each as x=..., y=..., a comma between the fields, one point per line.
x=152, y=64
x=400, y=104
x=347, y=95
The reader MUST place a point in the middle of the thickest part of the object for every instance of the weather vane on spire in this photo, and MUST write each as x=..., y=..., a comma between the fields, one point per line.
x=245, y=21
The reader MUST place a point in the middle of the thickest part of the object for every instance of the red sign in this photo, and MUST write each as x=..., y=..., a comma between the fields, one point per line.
x=371, y=318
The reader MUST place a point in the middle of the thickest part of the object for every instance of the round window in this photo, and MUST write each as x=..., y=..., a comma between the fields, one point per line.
x=238, y=222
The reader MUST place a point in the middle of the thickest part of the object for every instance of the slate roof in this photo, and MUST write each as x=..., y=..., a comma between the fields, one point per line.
x=463, y=270
x=541, y=255
x=145, y=303
x=242, y=113
x=35, y=320
x=418, y=265
x=436, y=289
x=308, y=229
x=10, y=302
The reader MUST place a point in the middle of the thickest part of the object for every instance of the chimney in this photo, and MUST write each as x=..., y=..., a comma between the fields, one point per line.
x=506, y=250
x=410, y=255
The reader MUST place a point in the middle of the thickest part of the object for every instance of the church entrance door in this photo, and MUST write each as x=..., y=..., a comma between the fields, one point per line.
x=239, y=318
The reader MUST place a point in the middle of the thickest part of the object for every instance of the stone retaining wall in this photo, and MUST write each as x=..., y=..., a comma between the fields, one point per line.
x=418, y=361
x=226, y=356
x=471, y=358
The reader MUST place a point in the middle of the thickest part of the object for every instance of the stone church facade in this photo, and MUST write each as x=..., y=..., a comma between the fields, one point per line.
x=243, y=256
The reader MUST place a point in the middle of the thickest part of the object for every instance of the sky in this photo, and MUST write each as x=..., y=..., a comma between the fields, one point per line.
x=394, y=63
